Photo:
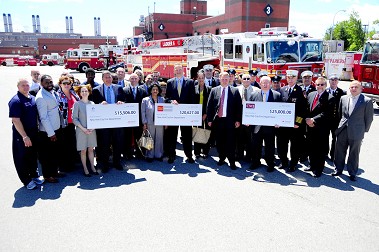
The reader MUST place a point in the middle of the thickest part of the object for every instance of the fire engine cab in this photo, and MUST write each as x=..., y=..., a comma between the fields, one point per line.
x=369, y=69
x=84, y=57
x=274, y=50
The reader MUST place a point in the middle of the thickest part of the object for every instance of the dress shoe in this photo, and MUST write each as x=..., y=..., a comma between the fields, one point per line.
x=190, y=160
x=170, y=160
x=118, y=167
x=51, y=180
x=160, y=159
x=95, y=173
x=291, y=169
x=221, y=162
x=149, y=160
x=205, y=156
x=253, y=167
x=197, y=156
x=337, y=173
x=60, y=174
x=87, y=175
x=308, y=169
x=353, y=178
x=316, y=175
x=270, y=169
x=233, y=166
x=282, y=166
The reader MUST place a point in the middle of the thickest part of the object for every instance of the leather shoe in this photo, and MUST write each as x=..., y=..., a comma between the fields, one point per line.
x=118, y=167
x=51, y=180
x=87, y=175
x=270, y=169
x=353, y=178
x=170, y=160
x=253, y=167
x=337, y=173
x=221, y=162
x=316, y=175
x=308, y=169
x=190, y=160
x=233, y=167
x=282, y=166
x=291, y=169
x=60, y=174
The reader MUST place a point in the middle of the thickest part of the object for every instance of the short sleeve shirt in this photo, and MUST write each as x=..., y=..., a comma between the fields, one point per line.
x=24, y=108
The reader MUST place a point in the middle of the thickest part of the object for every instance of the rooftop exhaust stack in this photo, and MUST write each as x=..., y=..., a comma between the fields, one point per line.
x=38, y=29
x=5, y=22
x=10, y=28
x=67, y=26
x=71, y=26
x=96, y=23
x=34, y=23
x=98, y=26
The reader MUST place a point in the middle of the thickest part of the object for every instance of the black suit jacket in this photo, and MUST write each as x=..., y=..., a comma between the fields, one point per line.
x=206, y=92
x=300, y=101
x=140, y=94
x=99, y=96
x=234, y=105
x=336, y=116
x=310, y=89
x=187, y=95
x=214, y=82
x=322, y=112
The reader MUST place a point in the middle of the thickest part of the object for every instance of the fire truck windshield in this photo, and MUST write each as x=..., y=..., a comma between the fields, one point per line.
x=283, y=51
x=371, y=53
x=310, y=51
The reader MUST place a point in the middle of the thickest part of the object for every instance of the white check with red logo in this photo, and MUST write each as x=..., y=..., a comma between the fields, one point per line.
x=100, y=116
x=178, y=115
x=268, y=113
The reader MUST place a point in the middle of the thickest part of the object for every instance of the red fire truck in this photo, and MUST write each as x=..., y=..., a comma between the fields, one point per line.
x=9, y=59
x=369, y=69
x=84, y=57
x=274, y=50
x=51, y=59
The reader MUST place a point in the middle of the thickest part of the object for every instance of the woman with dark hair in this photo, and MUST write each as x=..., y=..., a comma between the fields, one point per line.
x=147, y=112
x=85, y=138
x=66, y=99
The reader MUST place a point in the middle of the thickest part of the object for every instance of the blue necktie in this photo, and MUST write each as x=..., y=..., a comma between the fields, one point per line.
x=108, y=94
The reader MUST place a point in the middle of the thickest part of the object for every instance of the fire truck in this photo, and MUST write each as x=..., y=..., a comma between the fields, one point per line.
x=369, y=69
x=51, y=59
x=9, y=59
x=274, y=50
x=161, y=55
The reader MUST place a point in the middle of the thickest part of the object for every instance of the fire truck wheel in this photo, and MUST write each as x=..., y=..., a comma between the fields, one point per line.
x=50, y=63
x=4, y=63
x=83, y=67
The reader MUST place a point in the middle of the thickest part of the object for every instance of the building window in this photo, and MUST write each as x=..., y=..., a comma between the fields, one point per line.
x=267, y=25
x=238, y=52
x=228, y=48
x=255, y=52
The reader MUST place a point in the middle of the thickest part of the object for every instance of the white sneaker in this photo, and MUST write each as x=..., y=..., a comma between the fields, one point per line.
x=39, y=180
x=31, y=185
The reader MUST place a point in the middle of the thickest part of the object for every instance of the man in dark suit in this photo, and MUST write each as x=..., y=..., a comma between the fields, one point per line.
x=134, y=93
x=356, y=111
x=108, y=93
x=321, y=106
x=180, y=90
x=337, y=92
x=294, y=94
x=209, y=80
x=264, y=133
x=224, y=114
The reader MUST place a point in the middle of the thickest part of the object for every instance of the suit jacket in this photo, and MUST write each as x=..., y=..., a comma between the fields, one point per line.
x=336, y=116
x=310, y=89
x=48, y=111
x=214, y=82
x=322, y=112
x=234, y=105
x=300, y=101
x=147, y=109
x=99, y=96
x=273, y=96
x=360, y=119
x=249, y=91
x=140, y=94
x=187, y=95
x=206, y=92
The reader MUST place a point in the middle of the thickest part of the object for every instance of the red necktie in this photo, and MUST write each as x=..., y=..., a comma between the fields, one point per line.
x=314, y=102
x=221, y=107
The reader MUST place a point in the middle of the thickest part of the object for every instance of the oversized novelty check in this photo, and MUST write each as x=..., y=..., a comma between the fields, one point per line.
x=268, y=113
x=101, y=116
x=178, y=115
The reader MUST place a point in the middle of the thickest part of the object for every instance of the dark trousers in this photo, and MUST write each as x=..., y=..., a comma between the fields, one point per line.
x=25, y=158
x=49, y=152
x=199, y=148
x=268, y=136
x=243, y=141
x=318, y=148
x=186, y=132
x=225, y=139
x=105, y=139
x=68, y=145
x=293, y=136
x=132, y=135
x=333, y=144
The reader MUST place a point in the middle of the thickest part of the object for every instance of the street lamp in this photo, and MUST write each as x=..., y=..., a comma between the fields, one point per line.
x=331, y=30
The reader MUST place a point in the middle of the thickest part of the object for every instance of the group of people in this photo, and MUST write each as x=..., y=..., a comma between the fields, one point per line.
x=54, y=121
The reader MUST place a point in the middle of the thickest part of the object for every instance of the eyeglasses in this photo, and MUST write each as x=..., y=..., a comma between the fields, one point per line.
x=66, y=83
x=320, y=85
x=208, y=70
x=306, y=77
x=246, y=79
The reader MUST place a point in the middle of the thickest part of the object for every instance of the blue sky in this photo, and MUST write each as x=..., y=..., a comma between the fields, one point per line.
x=119, y=17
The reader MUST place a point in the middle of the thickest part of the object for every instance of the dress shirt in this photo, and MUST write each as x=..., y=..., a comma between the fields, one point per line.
x=352, y=102
x=225, y=101
x=112, y=95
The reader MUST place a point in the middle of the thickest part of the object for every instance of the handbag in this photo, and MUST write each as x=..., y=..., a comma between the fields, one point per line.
x=200, y=135
x=146, y=141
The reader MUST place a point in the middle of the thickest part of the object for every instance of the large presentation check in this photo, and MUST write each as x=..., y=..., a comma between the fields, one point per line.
x=178, y=115
x=268, y=113
x=101, y=116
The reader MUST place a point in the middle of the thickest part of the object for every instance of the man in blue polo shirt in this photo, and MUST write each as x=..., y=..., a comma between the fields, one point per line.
x=23, y=111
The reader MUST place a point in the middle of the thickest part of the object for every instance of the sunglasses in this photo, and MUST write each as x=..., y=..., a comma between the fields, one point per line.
x=246, y=79
x=320, y=85
x=66, y=83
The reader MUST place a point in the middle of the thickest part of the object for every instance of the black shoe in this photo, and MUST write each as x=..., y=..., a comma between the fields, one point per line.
x=291, y=169
x=337, y=173
x=316, y=175
x=118, y=167
x=160, y=159
x=60, y=174
x=221, y=162
x=283, y=166
x=190, y=160
x=170, y=160
x=149, y=160
x=87, y=174
x=197, y=156
x=233, y=167
x=253, y=167
x=105, y=169
x=270, y=169
x=308, y=169
x=353, y=178
x=95, y=173
x=205, y=156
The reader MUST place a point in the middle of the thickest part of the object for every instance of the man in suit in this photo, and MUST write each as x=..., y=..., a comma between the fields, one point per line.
x=337, y=92
x=264, y=133
x=356, y=111
x=134, y=93
x=209, y=80
x=243, y=133
x=321, y=105
x=120, y=71
x=224, y=114
x=180, y=90
x=49, y=129
x=108, y=93
x=294, y=94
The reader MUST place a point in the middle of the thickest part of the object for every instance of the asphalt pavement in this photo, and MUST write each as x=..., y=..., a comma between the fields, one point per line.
x=187, y=207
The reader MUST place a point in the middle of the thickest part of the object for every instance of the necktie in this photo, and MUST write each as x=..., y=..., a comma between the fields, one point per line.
x=209, y=82
x=245, y=94
x=134, y=92
x=264, y=97
x=289, y=92
x=315, y=102
x=108, y=94
x=221, y=107
x=179, y=87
